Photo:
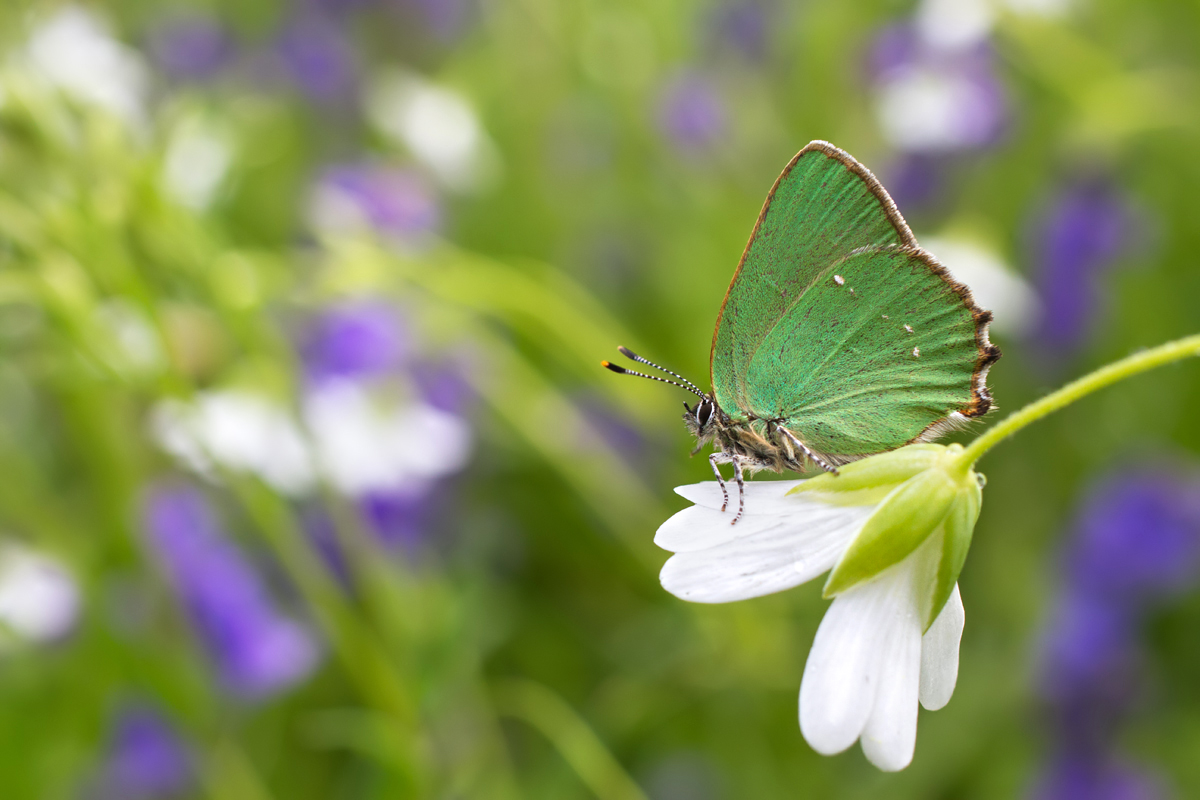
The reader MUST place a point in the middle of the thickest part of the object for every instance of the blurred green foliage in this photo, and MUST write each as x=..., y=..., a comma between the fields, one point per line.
x=528, y=650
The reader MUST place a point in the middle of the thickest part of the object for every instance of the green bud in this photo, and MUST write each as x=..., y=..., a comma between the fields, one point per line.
x=936, y=496
x=869, y=481
x=956, y=532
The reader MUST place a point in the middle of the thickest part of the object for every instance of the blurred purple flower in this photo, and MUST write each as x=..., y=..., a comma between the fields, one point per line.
x=190, y=46
x=893, y=49
x=341, y=8
x=741, y=26
x=1075, y=777
x=391, y=200
x=691, y=113
x=916, y=180
x=356, y=340
x=146, y=760
x=1136, y=540
x=319, y=58
x=933, y=99
x=1138, y=537
x=445, y=19
x=443, y=386
x=258, y=651
x=1074, y=243
x=401, y=519
x=1090, y=647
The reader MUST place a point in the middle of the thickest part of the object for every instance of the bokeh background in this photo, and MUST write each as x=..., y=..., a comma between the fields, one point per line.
x=311, y=485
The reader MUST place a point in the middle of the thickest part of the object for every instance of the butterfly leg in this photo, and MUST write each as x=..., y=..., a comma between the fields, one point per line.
x=808, y=453
x=712, y=459
x=737, y=474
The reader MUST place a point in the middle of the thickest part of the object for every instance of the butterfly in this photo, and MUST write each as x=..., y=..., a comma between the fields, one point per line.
x=839, y=337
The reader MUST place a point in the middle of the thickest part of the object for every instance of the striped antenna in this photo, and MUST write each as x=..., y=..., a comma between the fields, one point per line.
x=622, y=371
x=625, y=351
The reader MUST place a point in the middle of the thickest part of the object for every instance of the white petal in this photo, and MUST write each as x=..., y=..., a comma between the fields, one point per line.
x=841, y=677
x=891, y=733
x=705, y=525
x=939, y=654
x=762, y=497
x=779, y=552
x=701, y=527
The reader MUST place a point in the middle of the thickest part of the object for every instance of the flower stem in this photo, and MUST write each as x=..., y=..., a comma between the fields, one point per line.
x=566, y=730
x=1117, y=371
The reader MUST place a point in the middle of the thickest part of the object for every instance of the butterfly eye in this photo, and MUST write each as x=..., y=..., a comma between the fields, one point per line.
x=704, y=412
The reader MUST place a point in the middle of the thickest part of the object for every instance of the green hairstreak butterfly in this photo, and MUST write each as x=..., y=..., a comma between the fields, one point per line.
x=839, y=336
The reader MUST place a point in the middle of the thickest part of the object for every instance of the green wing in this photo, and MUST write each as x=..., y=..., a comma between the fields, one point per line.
x=858, y=372
x=794, y=343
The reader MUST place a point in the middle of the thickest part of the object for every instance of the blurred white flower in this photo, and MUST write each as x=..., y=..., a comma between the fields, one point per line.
x=363, y=446
x=922, y=108
x=993, y=283
x=955, y=24
x=74, y=49
x=356, y=443
x=240, y=431
x=197, y=159
x=438, y=126
x=136, y=345
x=39, y=599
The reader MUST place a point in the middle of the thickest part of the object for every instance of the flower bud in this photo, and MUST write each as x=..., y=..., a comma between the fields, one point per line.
x=922, y=492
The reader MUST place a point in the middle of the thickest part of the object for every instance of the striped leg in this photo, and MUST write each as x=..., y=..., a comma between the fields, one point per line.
x=808, y=453
x=737, y=474
x=712, y=459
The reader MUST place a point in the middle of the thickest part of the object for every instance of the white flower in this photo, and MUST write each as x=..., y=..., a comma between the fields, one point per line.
x=39, y=599
x=242, y=431
x=993, y=283
x=438, y=126
x=895, y=532
x=196, y=161
x=364, y=446
x=353, y=441
x=75, y=51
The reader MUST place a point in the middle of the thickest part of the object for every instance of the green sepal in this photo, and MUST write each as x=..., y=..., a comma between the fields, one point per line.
x=867, y=482
x=906, y=518
x=956, y=532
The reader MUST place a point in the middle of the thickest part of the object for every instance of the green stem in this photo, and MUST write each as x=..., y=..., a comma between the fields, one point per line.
x=578, y=743
x=1120, y=370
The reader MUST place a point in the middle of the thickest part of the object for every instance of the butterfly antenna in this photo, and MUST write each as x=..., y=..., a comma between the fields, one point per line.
x=622, y=371
x=625, y=351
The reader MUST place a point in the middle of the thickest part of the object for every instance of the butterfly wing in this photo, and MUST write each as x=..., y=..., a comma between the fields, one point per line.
x=824, y=206
x=793, y=342
x=883, y=349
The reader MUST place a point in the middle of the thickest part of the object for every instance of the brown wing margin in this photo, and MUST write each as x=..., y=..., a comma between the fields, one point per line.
x=889, y=208
x=988, y=354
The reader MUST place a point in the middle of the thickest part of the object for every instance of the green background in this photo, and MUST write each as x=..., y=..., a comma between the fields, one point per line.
x=530, y=652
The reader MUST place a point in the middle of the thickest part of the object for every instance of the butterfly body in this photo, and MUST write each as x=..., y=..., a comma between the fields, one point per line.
x=839, y=336
x=757, y=444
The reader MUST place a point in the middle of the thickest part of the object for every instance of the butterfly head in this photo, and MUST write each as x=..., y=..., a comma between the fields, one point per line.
x=701, y=419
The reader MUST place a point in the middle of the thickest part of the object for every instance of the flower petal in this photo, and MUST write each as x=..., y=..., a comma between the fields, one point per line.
x=891, y=732
x=762, y=497
x=939, y=653
x=841, y=676
x=700, y=527
x=783, y=551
